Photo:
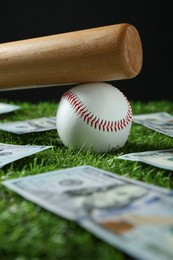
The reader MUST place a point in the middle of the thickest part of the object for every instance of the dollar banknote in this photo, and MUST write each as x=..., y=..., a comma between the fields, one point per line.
x=158, y=158
x=10, y=153
x=6, y=108
x=160, y=122
x=133, y=216
x=29, y=126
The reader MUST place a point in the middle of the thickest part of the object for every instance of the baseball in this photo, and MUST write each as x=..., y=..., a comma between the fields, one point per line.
x=94, y=115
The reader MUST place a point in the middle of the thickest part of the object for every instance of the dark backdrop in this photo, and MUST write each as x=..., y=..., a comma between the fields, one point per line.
x=27, y=19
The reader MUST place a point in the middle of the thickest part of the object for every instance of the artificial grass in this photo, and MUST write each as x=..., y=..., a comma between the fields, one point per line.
x=30, y=232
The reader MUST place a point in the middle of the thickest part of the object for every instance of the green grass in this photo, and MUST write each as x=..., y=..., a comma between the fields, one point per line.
x=30, y=232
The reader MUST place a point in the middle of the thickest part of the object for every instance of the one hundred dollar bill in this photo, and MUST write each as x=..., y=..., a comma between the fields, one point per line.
x=10, y=153
x=158, y=158
x=133, y=216
x=29, y=126
x=160, y=122
x=6, y=108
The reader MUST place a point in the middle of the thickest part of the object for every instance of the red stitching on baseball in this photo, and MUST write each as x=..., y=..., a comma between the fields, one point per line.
x=94, y=121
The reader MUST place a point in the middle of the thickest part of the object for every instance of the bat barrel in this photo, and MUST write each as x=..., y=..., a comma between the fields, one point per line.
x=106, y=53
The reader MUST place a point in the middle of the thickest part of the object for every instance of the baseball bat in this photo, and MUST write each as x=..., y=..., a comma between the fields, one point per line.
x=106, y=53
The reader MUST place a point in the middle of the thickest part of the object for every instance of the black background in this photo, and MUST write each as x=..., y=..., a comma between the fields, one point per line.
x=153, y=19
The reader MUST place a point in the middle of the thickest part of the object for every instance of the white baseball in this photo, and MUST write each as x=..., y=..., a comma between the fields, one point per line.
x=94, y=115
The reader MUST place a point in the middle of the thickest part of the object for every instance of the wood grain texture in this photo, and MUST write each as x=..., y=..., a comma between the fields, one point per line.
x=106, y=53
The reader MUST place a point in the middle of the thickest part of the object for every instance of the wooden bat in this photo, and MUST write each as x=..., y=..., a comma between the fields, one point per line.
x=106, y=53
